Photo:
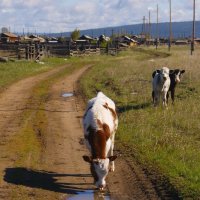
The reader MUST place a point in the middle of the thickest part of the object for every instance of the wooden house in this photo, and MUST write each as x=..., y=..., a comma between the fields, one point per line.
x=86, y=38
x=197, y=41
x=36, y=38
x=127, y=40
x=181, y=42
x=9, y=37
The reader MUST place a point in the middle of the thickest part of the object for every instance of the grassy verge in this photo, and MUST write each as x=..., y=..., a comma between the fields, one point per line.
x=13, y=71
x=165, y=140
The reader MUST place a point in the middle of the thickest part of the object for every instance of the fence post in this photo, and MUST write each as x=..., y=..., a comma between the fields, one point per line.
x=27, y=51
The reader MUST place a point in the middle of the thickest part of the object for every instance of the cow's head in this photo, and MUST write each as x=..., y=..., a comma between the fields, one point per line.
x=176, y=74
x=99, y=169
x=164, y=72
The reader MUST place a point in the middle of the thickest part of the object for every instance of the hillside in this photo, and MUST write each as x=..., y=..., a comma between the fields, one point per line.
x=179, y=29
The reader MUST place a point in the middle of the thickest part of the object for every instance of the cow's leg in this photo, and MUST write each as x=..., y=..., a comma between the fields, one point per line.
x=153, y=97
x=165, y=99
x=172, y=96
x=156, y=98
x=112, y=164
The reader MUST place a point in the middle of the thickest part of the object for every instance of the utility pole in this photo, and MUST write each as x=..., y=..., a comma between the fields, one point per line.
x=143, y=26
x=157, y=34
x=92, y=34
x=170, y=25
x=193, y=28
x=112, y=33
x=145, y=30
x=149, y=24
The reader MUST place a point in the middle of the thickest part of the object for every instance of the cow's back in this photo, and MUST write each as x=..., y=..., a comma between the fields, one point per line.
x=100, y=109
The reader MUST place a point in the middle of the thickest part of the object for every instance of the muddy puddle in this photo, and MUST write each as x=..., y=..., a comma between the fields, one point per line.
x=90, y=195
x=67, y=94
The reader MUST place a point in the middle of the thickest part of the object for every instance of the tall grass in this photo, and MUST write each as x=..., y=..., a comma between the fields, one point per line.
x=168, y=140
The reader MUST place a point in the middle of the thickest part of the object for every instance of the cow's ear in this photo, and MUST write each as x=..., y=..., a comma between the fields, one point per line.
x=112, y=158
x=87, y=159
x=182, y=71
x=154, y=73
x=177, y=71
x=158, y=70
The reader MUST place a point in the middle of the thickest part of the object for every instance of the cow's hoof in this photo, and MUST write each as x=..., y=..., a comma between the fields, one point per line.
x=112, y=169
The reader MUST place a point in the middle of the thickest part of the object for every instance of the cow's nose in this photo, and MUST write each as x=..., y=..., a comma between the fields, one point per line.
x=101, y=187
x=165, y=78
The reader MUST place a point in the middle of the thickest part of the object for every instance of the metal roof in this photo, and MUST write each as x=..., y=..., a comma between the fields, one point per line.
x=10, y=35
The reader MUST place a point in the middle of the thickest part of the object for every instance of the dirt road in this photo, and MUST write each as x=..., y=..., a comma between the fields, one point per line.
x=63, y=174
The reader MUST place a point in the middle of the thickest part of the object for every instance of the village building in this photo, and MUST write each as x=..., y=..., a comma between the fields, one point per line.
x=103, y=38
x=35, y=38
x=181, y=42
x=127, y=41
x=9, y=37
x=86, y=38
x=197, y=41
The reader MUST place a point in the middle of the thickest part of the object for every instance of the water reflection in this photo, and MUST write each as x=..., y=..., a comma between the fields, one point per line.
x=90, y=195
x=67, y=94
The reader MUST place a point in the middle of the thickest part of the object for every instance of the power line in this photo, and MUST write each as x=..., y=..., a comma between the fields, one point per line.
x=170, y=25
x=157, y=30
x=193, y=28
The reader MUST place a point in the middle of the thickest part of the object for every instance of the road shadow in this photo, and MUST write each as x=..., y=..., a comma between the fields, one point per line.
x=44, y=180
x=121, y=109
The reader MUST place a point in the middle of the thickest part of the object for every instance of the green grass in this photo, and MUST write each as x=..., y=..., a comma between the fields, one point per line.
x=168, y=140
x=13, y=71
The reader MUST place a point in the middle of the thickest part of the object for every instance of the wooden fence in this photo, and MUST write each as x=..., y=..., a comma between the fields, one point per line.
x=23, y=51
x=38, y=51
x=63, y=50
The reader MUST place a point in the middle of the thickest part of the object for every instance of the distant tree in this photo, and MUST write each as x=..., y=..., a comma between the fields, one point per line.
x=4, y=30
x=62, y=39
x=75, y=34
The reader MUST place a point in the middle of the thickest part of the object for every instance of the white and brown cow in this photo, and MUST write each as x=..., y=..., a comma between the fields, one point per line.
x=160, y=83
x=100, y=123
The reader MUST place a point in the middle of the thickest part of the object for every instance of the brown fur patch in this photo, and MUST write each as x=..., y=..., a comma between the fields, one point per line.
x=106, y=130
x=105, y=105
x=97, y=140
x=114, y=113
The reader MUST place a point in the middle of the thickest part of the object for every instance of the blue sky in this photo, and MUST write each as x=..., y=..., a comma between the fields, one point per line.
x=66, y=15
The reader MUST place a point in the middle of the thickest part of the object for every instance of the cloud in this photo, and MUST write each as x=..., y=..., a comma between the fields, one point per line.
x=67, y=15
